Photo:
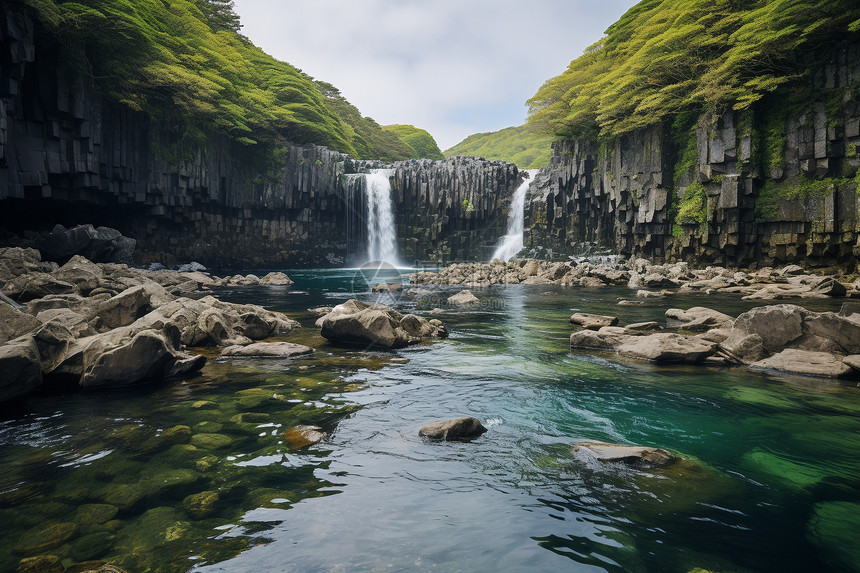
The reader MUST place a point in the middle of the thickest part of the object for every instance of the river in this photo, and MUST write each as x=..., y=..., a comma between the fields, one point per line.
x=772, y=483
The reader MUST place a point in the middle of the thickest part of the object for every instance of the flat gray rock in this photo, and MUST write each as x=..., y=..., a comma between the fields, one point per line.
x=268, y=350
x=806, y=363
x=593, y=321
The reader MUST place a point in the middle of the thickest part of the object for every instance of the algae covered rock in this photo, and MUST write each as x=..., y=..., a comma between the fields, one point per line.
x=40, y=564
x=201, y=505
x=95, y=513
x=211, y=441
x=299, y=437
x=45, y=537
x=268, y=350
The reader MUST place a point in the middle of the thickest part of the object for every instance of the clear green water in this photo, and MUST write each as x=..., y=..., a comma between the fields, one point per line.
x=773, y=483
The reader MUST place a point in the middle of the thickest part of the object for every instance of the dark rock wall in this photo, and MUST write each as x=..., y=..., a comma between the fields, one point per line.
x=67, y=156
x=622, y=196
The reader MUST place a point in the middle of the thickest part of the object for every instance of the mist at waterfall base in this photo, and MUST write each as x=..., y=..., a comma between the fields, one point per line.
x=512, y=242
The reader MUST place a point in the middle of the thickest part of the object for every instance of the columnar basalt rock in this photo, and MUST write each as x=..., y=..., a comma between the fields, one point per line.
x=773, y=189
x=69, y=156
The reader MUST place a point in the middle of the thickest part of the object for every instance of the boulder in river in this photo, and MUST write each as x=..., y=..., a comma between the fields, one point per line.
x=276, y=279
x=387, y=287
x=463, y=298
x=592, y=321
x=299, y=437
x=358, y=323
x=456, y=430
x=638, y=456
x=665, y=347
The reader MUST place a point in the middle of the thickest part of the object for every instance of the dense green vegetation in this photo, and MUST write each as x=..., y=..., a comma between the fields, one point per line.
x=419, y=140
x=520, y=145
x=669, y=56
x=185, y=63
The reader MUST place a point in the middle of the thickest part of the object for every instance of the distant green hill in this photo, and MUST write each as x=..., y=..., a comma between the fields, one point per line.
x=515, y=144
x=420, y=141
x=185, y=64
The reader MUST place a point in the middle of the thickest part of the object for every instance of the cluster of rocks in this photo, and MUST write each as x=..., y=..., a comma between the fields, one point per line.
x=762, y=284
x=376, y=325
x=782, y=337
x=107, y=324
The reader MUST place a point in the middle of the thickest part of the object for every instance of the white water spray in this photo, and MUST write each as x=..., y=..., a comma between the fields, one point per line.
x=381, y=233
x=512, y=242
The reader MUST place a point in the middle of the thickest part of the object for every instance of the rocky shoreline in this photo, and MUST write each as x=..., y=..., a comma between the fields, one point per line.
x=648, y=279
x=93, y=325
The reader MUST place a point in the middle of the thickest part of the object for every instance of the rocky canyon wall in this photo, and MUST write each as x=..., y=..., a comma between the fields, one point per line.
x=772, y=185
x=69, y=156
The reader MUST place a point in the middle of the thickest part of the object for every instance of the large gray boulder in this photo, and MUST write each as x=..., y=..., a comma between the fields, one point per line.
x=765, y=330
x=666, y=347
x=358, y=323
x=100, y=245
x=20, y=368
x=123, y=309
x=463, y=298
x=14, y=323
x=35, y=285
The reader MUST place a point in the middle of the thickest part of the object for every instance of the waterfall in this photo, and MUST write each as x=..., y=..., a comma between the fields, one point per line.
x=512, y=242
x=381, y=233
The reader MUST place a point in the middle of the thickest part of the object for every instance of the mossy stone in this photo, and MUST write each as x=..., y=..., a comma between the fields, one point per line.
x=95, y=513
x=40, y=564
x=125, y=496
x=113, y=525
x=86, y=567
x=206, y=463
x=251, y=418
x=130, y=435
x=200, y=505
x=50, y=509
x=208, y=427
x=204, y=405
x=208, y=441
x=45, y=537
x=91, y=546
x=156, y=527
x=158, y=483
x=167, y=438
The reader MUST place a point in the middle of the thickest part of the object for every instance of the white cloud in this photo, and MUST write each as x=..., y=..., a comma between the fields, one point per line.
x=452, y=67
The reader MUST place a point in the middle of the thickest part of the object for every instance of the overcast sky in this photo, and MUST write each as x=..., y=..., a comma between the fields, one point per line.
x=452, y=67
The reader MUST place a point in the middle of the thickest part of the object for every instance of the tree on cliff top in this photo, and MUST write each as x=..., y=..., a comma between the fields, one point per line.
x=667, y=56
x=183, y=62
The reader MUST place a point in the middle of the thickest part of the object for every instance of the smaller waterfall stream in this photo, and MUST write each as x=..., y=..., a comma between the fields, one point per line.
x=512, y=242
x=381, y=232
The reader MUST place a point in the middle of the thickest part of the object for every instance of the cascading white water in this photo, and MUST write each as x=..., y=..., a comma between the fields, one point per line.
x=512, y=242
x=381, y=233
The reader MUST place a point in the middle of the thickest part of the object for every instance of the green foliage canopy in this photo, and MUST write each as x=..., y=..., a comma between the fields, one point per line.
x=668, y=56
x=520, y=145
x=184, y=62
x=419, y=141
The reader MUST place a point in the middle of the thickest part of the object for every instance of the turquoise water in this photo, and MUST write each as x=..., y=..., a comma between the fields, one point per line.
x=772, y=481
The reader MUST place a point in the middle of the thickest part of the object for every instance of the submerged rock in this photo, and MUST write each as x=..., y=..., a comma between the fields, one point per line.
x=387, y=287
x=458, y=429
x=638, y=456
x=40, y=564
x=299, y=437
x=45, y=537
